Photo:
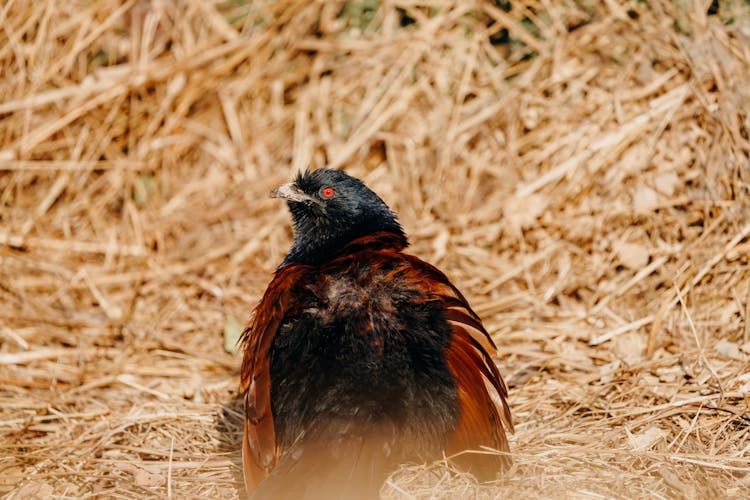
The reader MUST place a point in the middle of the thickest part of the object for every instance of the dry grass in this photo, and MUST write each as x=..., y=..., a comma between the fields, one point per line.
x=580, y=169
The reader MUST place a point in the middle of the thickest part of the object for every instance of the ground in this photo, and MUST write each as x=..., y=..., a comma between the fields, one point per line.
x=580, y=169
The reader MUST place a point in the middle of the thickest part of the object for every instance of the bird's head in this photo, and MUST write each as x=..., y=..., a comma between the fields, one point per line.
x=329, y=209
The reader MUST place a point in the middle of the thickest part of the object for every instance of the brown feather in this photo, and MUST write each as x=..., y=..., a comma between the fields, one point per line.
x=260, y=452
x=480, y=423
x=251, y=471
x=485, y=414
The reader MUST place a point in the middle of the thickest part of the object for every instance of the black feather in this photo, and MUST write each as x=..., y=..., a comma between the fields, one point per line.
x=323, y=226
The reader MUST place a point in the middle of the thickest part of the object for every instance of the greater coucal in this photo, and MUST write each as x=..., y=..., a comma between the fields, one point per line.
x=361, y=357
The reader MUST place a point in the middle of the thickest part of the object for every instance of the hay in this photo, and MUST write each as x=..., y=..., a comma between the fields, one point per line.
x=580, y=169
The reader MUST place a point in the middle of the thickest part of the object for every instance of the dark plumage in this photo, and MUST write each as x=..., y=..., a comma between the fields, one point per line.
x=361, y=357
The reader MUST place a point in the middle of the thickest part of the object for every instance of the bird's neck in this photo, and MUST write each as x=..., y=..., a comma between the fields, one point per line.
x=315, y=249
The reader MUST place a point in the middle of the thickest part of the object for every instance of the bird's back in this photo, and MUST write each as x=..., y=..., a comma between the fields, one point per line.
x=367, y=352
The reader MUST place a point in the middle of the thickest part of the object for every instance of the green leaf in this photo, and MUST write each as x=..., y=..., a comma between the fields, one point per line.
x=232, y=332
x=143, y=190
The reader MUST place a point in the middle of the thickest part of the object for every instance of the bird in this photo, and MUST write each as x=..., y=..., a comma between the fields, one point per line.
x=361, y=357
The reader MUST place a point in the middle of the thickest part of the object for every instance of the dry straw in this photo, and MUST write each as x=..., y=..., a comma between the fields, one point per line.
x=581, y=169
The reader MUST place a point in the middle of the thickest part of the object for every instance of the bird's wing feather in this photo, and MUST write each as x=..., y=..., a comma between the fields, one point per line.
x=260, y=450
x=482, y=394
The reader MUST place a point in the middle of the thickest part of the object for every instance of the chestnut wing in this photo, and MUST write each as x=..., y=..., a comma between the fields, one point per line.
x=260, y=451
x=484, y=412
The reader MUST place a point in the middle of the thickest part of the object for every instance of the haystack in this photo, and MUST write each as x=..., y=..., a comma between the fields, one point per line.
x=581, y=169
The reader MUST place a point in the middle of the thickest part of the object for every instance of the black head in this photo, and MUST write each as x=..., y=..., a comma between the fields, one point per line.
x=329, y=209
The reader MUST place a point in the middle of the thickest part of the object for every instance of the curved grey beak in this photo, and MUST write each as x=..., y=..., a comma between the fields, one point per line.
x=289, y=192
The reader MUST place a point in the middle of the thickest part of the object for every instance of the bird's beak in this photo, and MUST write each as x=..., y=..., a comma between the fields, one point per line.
x=290, y=192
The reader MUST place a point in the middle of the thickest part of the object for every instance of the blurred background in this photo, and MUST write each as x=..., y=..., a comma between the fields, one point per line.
x=580, y=169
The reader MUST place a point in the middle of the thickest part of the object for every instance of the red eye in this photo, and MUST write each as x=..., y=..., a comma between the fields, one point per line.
x=328, y=192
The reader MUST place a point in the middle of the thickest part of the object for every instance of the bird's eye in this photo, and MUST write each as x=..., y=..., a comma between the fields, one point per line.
x=327, y=192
